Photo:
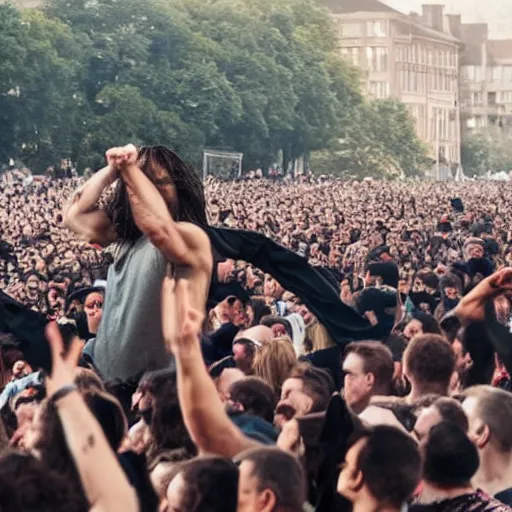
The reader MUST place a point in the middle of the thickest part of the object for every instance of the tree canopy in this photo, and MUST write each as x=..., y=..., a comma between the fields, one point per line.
x=255, y=76
x=486, y=151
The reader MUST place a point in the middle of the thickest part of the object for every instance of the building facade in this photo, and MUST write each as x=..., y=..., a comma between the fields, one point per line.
x=486, y=79
x=411, y=58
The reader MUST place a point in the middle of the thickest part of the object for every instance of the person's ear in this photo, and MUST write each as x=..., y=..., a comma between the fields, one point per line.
x=267, y=501
x=481, y=437
x=356, y=481
x=369, y=380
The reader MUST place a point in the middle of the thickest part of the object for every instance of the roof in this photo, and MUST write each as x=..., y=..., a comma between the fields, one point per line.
x=346, y=6
x=414, y=25
x=500, y=49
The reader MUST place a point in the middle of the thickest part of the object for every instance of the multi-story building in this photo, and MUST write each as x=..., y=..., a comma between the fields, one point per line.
x=412, y=58
x=486, y=83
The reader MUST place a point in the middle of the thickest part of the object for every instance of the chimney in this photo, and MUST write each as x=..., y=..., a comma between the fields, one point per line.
x=433, y=16
x=455, y=25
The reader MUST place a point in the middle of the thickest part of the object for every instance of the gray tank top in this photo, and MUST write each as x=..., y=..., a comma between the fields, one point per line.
x=129, y=339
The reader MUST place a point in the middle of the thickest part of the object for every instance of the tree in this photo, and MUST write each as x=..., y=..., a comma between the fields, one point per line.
x=379, y=142
x=39, y=96
x=486, y=151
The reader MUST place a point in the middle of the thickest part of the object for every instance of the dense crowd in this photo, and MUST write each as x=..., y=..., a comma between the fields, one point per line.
x=266, y=345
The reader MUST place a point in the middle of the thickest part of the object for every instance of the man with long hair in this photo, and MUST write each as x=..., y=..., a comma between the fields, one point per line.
x=154, y=223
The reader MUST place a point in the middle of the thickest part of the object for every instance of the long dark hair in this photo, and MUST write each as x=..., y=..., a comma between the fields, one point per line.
x=191, y=204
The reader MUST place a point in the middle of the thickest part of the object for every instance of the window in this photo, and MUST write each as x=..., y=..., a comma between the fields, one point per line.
x=376, y=28
x=403, y=80
x=505, y=97
x=377, y=58
x=379, y=90
x=351, y=30
x=352, y=54
x=477, y=98
x=497, y=73
x=491, y=98
x=507, y=73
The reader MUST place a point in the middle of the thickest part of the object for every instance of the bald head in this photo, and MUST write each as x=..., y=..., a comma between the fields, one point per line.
x=260, y=334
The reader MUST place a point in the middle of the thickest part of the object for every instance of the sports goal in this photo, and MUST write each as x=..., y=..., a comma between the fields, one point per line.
x=222, y=164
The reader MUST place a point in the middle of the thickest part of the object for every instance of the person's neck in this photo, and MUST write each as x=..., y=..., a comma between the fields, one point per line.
x=371, y=506
x=421, y=391
x=433, y=494
x=495, y=472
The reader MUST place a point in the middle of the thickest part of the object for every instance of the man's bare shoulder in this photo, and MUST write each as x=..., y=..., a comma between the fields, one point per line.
x=194, y=233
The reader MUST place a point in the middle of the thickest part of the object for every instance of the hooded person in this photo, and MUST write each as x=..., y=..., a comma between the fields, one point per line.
x=451, y=292
x=385, y=273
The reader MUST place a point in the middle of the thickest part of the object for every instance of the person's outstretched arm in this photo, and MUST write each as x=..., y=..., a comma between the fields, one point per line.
x=203, y=412
x=102, y=477
x=82, y=215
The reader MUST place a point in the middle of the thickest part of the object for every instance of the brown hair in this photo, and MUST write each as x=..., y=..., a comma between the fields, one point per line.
x=451, y=410
x=211, y=484
x=281, y=473
x=256, y=396
x=377, y=360
x=88, y=381
x=274, y=362
x=429, y=360
x=494, y=408
x=391, y=464
x=318, y=384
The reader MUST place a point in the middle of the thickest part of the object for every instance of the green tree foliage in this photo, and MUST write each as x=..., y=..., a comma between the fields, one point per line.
x=486, y=151
x=256, y=76
x=380, y=142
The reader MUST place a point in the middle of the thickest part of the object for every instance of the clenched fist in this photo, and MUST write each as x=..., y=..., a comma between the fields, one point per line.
x=121, y=156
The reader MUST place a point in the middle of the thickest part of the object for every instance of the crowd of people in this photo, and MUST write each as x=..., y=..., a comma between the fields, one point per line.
x=254, y=345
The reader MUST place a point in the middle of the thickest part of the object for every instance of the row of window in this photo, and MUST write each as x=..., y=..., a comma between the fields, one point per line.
x=491, y=74
x=379, y=90
x=439, y=126
x=493, y=98
x=375, y=57
x=421, y=82
x=428, y=55
x=368, y=29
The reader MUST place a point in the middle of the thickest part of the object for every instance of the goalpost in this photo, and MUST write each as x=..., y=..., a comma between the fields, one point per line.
x=222, y=164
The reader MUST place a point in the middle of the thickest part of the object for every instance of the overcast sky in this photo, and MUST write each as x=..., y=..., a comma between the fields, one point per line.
x=498, y=13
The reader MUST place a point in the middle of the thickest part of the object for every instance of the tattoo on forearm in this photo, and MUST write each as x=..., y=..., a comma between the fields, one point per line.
x=89, y=443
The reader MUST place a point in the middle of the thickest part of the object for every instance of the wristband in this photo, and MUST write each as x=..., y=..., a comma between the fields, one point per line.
x=62, y=392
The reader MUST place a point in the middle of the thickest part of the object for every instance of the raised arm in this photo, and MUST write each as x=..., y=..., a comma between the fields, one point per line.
x=471, y=307
x=183, y=244
x=178, y=241
x=82, y=215
x=102, y=477
x=207, y=422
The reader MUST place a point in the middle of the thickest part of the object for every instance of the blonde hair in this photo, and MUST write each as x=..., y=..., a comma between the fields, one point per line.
x=275, y=361
x=318, y=337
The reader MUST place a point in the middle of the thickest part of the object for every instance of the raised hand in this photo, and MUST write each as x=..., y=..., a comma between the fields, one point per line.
x=121, y=156
x=502, y=280
x=63, y=365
